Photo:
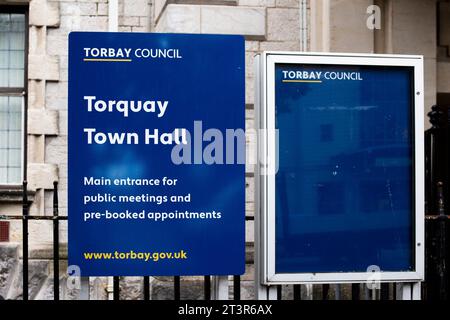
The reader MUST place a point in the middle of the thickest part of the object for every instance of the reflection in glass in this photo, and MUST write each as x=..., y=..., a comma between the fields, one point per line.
x=343, y=189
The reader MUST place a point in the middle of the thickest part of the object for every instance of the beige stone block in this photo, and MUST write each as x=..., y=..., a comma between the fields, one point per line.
x=136, y=8
x=279, y=45
x=88, y=8
x=36, y=95
x=58, y=45
x=56, y=103
x=40, y=236
x=249, y=114
x=287, y=3
x=56, y=89
x=250, y=125
x=10, y=209
x=43, y=67
x=249, y=231
x=443, y=76
x=283, y=24
x=144, y=22
x=37, y=208
x=42, y=121
x=125, y=29
x=251, y=45
x=15, y=226
x=249, y=90
x=249, y=189
x=179, y=19
x=63, y=166
x=41, y=175
x=102, y=9
x=206, y=2
x=36, y=148
x=249, y=64
x=249, y=273
x=414, y=27
x=93, y=23
x=44, y=13
x=158, y=7
x=37, y=40
x=139, y=29
x=70, y=23
x=250, y=209
x=69, y=8
x=250, y=139
x=57, y=155
x=257, y=3
x=348, y=29
x=129, y=21
x=250, y=22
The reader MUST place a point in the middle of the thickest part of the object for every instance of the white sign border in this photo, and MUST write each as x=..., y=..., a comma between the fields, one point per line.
x=265, y=194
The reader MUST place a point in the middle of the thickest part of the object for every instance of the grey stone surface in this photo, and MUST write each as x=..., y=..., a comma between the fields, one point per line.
x=191, y=288
x=38, y=273
x=247, y=290
x=97, y=288
x=46, y=292
x=131, y=288
x=161, y=288
x=9, y=260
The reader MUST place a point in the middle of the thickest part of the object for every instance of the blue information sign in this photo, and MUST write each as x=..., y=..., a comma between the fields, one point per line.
x=156, y=154
x=344, y=188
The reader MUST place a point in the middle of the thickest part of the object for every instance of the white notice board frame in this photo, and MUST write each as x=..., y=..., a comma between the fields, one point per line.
x=265, y=183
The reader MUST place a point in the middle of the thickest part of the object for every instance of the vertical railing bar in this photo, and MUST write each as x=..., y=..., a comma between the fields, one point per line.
x=116, y=288
x=55, y=242
x=146, y=288
x=24, y=241
x=355, y=291
x=279, y=292
x=384, y=291
x=207, y=288
x=442, y=243
x=394, y=291
x=176, y=288
x=297, y=292
x=325, y=290
x=237, y=288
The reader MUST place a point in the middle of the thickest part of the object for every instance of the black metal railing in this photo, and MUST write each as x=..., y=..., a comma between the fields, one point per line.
x=56, y=218
x=25, y=238
x=437, y=222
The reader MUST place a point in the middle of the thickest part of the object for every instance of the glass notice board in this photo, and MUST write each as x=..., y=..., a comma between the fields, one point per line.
x=344, y=189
